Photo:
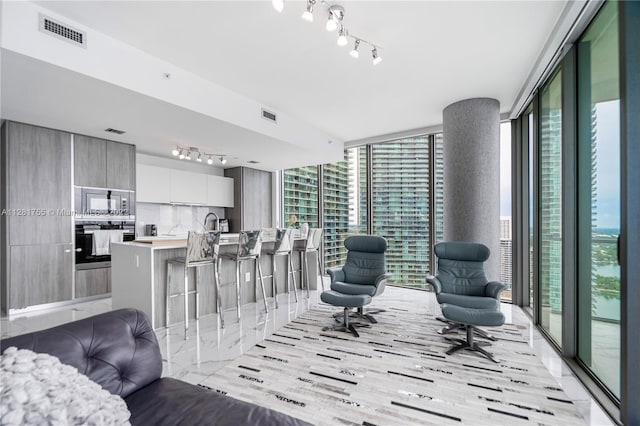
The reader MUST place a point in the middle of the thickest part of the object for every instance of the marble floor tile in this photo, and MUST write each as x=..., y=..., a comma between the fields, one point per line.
x=209, y=347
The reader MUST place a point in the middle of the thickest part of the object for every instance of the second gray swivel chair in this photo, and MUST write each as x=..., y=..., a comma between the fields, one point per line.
x=249, y=247
x=364, y=271
x=461, y=280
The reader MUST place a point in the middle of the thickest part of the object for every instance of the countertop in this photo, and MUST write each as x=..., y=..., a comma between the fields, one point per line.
x=181, y=241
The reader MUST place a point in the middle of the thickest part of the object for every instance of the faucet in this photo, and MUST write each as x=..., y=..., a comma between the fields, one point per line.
x=217, y=227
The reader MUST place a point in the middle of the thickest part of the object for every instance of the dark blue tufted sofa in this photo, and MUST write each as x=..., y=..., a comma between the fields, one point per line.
x=120, y=352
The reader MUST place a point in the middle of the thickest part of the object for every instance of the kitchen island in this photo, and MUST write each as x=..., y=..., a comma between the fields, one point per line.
x=139, y=278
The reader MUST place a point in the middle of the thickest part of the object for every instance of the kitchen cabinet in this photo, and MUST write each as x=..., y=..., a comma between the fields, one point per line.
x=121, y=166
x=162, y=185
x=152, y=184
x=39, y=185
x=104, y=164
x=188, y=187
x=93, y=282
x=219, y=191
x=90, y=161
x=36, y=231
x=40, y=274
x=252, y=191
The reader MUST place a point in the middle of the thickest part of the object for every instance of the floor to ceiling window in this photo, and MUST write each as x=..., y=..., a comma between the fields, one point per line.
x=599, y=198
x=550, y=208
x=506, y=240
x=530, y=142
x=335, y=211
x=400, y=187
x=301, y=196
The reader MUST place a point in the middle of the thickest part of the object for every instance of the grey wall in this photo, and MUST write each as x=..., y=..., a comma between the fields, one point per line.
x=471, y=131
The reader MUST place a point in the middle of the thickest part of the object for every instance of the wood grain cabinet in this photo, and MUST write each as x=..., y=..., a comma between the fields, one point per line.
x=36, y=231
x=90, y=161
x=93, y=282
x=121, y=166
x=252, y=208
x=104, y=164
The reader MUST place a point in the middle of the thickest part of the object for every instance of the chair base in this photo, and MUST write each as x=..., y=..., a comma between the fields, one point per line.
x=470, y=344
x=346, y=325
x=454, y=326
x=356, y=314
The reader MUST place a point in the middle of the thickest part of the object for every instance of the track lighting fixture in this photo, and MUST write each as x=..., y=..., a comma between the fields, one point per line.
x=374, y=54
x=186, y=153
x=308, y=14
x=342, y=37
x=336, y=13
x=278, y=5
x=335, y=16
x=354, y=52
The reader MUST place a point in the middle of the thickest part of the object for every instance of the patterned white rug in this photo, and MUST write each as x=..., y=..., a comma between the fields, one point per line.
x=395, y=373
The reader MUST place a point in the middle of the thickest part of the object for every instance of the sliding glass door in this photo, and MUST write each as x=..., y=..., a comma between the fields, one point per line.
x=550, y=208
x=599, y=198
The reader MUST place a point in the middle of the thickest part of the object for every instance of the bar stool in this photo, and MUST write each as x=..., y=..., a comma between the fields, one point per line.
x=310, y=245
x=282, y=247
x=202, y=249
x=249, y=247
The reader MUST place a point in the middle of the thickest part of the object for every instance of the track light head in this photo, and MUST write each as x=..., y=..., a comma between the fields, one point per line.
x=278, y=5
x=354, y=52
x=175, y=152
x=308, y=14
x=209, y=161
x=336, y=14
x=223, y=160
x=374, y=54
x=181, y=154
x=199, y=159
x=188, y=156
x=342, y=38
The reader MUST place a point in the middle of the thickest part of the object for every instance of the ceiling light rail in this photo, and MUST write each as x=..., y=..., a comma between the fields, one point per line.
x=189, y=152
x=335, y=16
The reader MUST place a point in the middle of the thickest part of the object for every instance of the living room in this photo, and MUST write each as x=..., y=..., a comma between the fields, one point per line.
x=271, y=125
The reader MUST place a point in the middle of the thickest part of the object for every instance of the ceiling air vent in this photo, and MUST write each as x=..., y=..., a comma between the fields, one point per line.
x=253, y=162
x=62, y=31
x=116, y=131
x=268, y=115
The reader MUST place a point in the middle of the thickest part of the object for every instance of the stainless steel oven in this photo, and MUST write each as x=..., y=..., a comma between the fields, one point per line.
x=91, y=255
x=104, y=203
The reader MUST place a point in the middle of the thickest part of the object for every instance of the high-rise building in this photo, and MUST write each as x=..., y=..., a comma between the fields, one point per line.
x=506, y=250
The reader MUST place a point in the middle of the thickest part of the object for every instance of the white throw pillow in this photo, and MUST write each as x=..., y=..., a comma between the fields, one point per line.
x=38, y=389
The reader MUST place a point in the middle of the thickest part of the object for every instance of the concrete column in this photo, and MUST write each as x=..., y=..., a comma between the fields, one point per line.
x=472, y=176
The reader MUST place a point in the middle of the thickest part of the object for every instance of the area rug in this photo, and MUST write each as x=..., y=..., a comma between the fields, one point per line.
x=395, y=373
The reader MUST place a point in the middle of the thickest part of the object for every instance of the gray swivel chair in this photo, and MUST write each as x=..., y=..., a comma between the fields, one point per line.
x=461, y=280
x=364, y=271
x=467, y=298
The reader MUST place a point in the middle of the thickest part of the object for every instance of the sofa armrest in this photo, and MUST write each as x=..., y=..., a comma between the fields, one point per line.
x=336, y=274
x=435, y=283
x=494, y=288
x=117, y=349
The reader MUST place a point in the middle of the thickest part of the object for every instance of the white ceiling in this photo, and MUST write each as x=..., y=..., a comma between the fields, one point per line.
x=434, y=53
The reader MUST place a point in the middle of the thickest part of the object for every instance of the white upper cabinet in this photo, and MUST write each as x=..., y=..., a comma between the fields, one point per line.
x=219, y=191
x=188, y=187
x=153, y=184
x=163, y=185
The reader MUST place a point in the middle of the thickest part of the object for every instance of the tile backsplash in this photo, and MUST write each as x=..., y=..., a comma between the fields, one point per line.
x=172, y=219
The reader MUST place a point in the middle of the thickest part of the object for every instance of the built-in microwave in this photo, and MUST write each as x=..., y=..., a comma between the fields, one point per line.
x=92, y=202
